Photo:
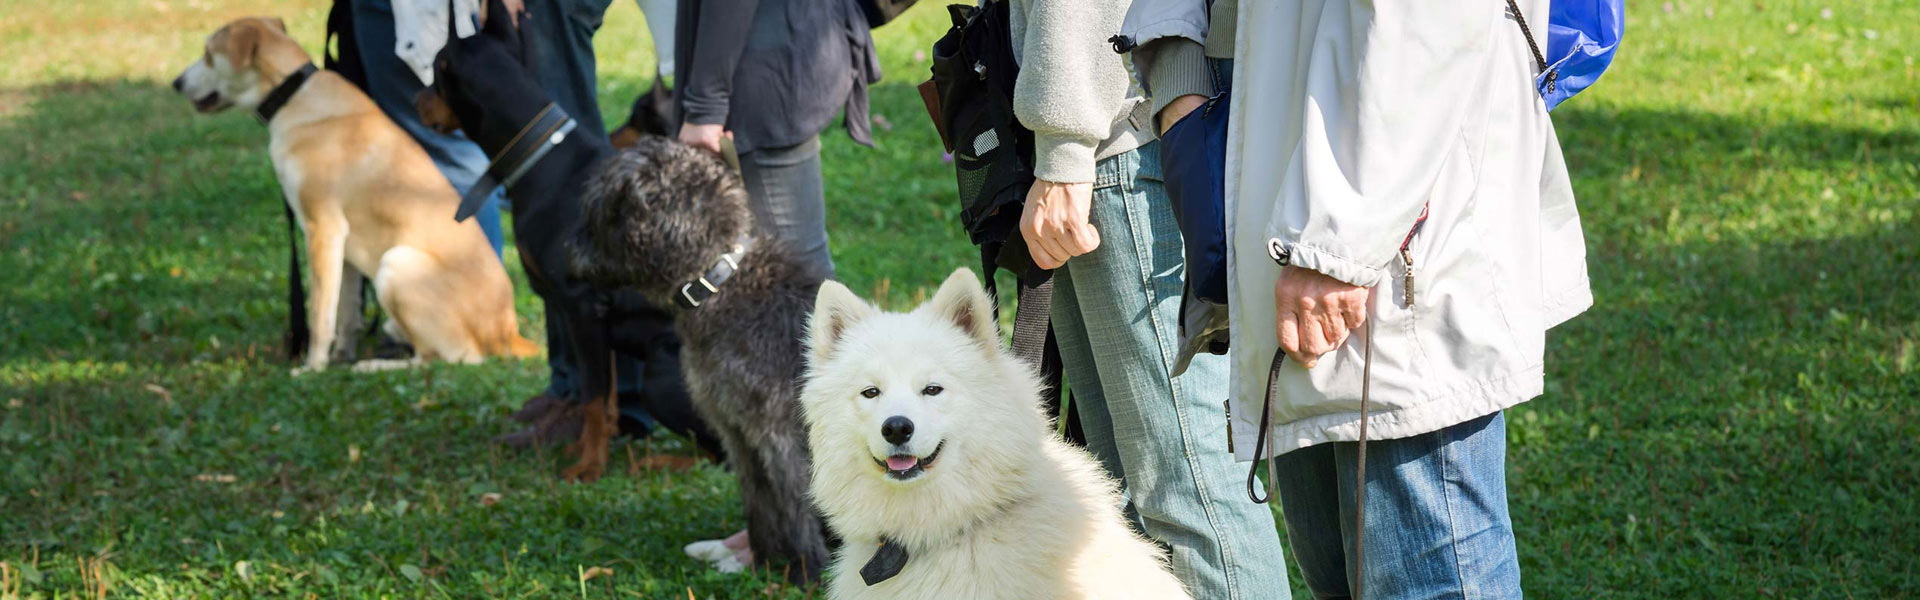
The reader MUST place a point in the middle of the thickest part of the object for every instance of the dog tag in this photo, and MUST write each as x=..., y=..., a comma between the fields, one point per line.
x=887, y=562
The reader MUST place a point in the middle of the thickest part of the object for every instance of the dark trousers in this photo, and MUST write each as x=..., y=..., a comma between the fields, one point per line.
x=788, y=199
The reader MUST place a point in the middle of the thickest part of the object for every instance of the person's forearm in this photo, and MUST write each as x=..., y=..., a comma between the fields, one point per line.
x=1175, y=67
x=1071, y=83
x=720, y=38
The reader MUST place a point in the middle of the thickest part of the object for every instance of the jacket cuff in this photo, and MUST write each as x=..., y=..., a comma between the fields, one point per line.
x=700, y=113
x=1336, y=266
x=1063, y=160
x=1178, y=67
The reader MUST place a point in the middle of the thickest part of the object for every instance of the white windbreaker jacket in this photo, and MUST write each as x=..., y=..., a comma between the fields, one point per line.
x=1349, y=118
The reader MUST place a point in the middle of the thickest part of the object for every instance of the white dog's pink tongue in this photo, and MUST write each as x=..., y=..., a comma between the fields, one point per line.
x=901, y=463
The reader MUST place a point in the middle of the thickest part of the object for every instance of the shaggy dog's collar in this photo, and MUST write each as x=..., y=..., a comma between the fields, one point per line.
x=278, y=97
x=694, y=293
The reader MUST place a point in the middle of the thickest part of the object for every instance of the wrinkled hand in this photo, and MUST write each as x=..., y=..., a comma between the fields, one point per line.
x=1178, y=109
x=1054, y=222
x=704, y=136
x=1314, y=313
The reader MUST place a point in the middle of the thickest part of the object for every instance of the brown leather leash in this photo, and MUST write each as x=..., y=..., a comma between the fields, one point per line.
x=1265, y=441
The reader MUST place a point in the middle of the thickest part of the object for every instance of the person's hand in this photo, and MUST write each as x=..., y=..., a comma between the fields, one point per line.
x=1314, y=312
x=703, y=136
x=1179, y=108
x=1054, y=222
x=515, y=9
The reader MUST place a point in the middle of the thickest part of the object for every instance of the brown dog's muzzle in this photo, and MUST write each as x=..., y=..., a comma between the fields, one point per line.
x=434, y=112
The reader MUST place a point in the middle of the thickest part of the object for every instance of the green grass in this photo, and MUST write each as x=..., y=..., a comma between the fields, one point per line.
x=1737, y=415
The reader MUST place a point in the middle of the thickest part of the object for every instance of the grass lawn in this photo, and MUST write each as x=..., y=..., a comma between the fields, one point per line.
x=1737, y=415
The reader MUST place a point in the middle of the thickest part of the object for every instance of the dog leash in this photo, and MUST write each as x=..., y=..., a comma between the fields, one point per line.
x=1265, y=441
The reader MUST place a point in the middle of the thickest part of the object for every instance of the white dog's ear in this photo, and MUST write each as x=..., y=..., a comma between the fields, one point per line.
x=834, y=311
x=963, y=302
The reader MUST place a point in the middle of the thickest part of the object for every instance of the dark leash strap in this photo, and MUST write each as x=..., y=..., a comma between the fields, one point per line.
x=1539, y=59
x=1264, y=442
x=1031, y=323
x=1033, y=337
x=297, y=333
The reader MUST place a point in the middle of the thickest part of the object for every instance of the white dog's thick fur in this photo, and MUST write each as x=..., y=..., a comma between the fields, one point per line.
x=986, y=502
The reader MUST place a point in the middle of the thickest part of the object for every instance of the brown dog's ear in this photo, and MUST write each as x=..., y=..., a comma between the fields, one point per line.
x=243, y=41
x=963, y=302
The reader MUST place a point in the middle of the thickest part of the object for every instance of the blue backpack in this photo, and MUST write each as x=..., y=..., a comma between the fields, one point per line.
x=1582, y=36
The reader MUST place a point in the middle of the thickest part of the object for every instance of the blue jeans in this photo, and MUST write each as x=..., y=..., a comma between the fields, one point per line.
x=561, y=35
x=1116, y=316
x=392, y=86
x=1437, y=523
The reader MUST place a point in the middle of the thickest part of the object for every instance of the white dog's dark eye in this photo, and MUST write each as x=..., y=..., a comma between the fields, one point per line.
x=932, y=389
x=870, y=392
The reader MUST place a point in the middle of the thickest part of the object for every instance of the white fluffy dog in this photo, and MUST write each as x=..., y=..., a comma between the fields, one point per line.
x=933, y=460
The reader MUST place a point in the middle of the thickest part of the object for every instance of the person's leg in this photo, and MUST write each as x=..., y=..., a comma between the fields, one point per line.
x=1170, y=432
x=788, y=199
x=1436, y=525
x=560, y=380
x=561, y=32
x=660, y=15
x=1309, y=489
x=392, y=86
x=562, y=37
x=1082, y=377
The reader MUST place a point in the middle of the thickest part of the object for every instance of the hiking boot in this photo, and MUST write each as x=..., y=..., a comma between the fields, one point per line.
x=561, y=423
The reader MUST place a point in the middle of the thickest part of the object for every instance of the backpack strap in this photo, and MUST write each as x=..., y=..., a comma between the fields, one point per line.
x=1538, y=58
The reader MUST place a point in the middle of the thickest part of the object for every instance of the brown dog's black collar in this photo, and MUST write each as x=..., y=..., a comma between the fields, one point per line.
x=278, y=98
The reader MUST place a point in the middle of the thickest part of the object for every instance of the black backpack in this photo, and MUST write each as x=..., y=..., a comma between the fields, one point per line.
x=880, y=12
x=970, y=98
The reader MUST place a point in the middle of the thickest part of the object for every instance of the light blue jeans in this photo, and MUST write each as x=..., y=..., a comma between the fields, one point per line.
x=392, y=86
x=1116, y=314
x=1437, y=523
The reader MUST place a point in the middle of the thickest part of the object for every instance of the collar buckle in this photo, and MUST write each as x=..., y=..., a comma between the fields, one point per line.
x=686, y=291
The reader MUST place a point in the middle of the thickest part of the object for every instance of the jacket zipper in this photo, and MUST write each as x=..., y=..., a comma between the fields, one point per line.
x=1406, y=256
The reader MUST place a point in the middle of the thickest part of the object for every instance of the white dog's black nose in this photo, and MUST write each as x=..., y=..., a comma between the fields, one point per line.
x=897, y=430
x=179, y=82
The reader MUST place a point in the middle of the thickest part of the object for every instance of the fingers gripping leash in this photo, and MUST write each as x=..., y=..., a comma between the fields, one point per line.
x=1262, y=448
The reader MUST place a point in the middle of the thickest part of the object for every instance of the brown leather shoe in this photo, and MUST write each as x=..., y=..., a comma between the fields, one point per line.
x=537, y=407
x=560, y=424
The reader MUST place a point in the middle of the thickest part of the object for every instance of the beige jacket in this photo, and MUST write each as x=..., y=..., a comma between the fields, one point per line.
x=1074, y=91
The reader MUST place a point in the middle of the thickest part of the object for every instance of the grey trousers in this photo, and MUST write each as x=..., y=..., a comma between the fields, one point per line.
x=788, y=199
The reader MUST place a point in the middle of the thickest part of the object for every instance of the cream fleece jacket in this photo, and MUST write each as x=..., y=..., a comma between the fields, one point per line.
x=1074, y=91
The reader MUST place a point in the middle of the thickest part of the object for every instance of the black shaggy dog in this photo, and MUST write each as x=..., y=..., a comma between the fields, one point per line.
x=671, y=221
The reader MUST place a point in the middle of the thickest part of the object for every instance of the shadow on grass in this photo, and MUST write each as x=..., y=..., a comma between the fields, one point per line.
x=1723, y=421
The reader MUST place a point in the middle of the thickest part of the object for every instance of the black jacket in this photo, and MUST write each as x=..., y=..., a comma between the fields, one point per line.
x=775, y=72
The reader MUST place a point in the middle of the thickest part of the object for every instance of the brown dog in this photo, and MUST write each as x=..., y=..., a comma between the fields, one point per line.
x=366, y=195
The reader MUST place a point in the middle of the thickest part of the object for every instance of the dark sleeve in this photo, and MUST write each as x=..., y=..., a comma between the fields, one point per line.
x=719, y=38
